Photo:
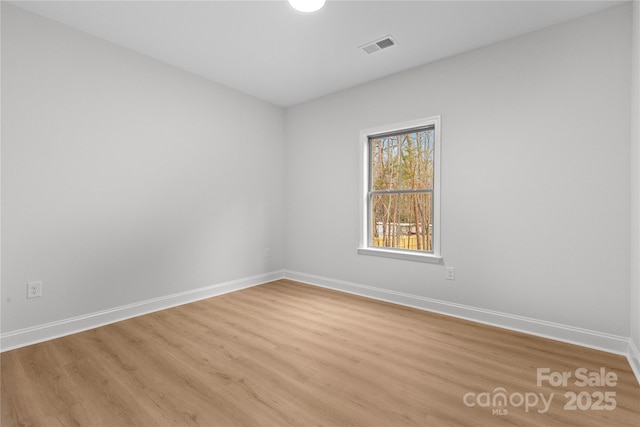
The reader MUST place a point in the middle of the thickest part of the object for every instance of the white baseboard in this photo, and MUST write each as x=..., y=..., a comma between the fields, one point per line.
x=569, y=334
x=583, y=337
x=23, y=337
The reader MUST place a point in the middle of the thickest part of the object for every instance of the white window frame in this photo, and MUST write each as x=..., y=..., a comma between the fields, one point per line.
x=410, y=255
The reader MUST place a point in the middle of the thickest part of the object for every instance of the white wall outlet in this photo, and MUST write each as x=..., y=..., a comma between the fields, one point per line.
x=34, y=289
x=450, y=273
x=267, y=252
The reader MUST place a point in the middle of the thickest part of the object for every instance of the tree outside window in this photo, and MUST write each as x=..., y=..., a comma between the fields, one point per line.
x=401, y=190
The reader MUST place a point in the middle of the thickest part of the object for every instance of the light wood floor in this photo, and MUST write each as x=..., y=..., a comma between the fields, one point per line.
x=285, y=353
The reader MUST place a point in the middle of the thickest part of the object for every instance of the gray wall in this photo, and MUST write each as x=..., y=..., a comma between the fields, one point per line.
x=535, y=176
x=635, y=179
x=124, y=179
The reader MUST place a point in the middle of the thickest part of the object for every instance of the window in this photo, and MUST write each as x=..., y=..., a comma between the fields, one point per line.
x=400, y=185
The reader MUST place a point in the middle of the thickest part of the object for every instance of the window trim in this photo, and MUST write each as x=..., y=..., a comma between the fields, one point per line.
x=365, y=164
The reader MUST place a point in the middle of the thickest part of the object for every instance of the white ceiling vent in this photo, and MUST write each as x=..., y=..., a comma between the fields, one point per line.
x=383, y=43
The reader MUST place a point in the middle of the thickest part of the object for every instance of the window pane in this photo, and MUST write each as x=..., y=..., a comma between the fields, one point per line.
x=385, y=163
x=417, y=160
x=403, y=161
x=402, y=221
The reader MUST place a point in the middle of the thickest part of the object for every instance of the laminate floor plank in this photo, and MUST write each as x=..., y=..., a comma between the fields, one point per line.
x=289, y=354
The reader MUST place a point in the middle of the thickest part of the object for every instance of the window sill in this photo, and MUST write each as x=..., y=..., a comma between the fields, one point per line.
x=404, y=255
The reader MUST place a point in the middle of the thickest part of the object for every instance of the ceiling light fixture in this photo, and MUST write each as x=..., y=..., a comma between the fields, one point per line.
x=306, y=5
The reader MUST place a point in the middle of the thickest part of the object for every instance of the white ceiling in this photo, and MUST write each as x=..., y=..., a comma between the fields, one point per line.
x=268, y=50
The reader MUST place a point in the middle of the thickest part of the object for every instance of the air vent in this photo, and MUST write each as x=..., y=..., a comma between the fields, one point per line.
x=383, y=43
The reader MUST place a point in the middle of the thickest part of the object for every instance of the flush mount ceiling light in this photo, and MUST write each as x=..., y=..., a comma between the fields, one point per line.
x=306, y=5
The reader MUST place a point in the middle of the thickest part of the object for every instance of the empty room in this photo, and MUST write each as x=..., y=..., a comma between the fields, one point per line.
x=320, y=213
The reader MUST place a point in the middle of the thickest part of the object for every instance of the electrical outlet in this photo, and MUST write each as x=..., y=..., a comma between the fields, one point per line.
x=34, y=289
x=267, y=252
x=450, y=273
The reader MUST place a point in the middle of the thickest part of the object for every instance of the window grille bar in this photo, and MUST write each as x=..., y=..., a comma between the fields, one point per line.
x=425, y=190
